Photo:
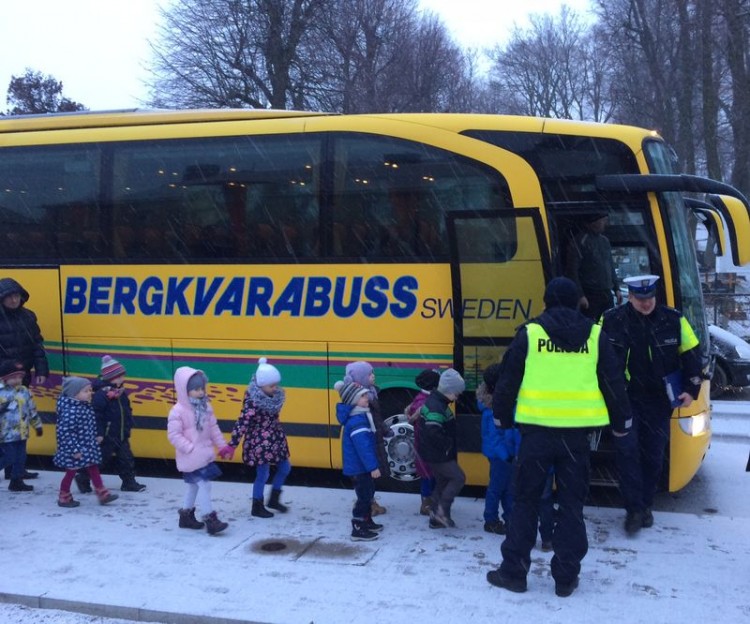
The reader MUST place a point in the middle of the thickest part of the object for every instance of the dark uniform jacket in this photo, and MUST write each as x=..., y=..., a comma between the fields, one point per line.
x=568, y=329
x=648, y=346
x=20, y=337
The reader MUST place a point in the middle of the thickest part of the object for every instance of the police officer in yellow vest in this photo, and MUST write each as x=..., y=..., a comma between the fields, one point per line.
x=656, y=344
x=562, y=379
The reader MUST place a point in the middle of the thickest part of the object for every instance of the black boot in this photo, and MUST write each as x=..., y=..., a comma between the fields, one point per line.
x=213, y=524
x=17, y=485
x=188, y=519
x=274, y=503
x=131, y=485
x=259, y=511
x=360, y=532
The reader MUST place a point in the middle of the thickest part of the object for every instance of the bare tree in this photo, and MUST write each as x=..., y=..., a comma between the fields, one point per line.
x=553, y=69
x=232, y=53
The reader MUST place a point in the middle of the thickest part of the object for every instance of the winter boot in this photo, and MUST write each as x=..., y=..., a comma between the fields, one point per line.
x=372, y=526
x=426, y=506
x=273, y=502
x=360, y=532
x=17, y=485
x=633, y=522
x=259, y=510
x=83, y=483
x=213, y=524
x=105, y=496
x=132, y=485
x=65, y=499
x=376, y=509
x=188, y=519
x=26, y=474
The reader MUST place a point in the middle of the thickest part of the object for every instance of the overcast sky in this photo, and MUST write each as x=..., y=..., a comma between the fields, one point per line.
x=99, y=48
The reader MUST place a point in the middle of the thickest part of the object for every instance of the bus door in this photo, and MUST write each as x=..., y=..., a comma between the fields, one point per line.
x=500, y=265
x=43, y=286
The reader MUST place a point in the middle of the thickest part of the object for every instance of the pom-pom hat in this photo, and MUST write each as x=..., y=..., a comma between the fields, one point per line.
x=267, y=374
x=111, y=368
x=350, y=392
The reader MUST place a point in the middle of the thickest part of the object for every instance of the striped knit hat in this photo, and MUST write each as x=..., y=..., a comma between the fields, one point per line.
x=111, y=368
x=350, y=392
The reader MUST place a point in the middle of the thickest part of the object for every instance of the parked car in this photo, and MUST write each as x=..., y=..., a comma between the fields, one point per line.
x=731, y=366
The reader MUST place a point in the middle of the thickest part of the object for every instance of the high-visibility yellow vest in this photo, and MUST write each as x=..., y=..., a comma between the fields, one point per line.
x=560, y=388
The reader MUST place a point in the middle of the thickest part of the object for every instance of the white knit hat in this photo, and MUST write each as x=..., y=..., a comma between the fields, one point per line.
x=267, y=374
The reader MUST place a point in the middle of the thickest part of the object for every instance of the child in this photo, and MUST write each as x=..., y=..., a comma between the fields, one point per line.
x=77, y=443
x=438, y=446
x=265, y=442
x=193, y=431
x=500, y=447
x=359, y=456
x=114, y=421
x=426, y=381
x=362, y=373
x=17, y=415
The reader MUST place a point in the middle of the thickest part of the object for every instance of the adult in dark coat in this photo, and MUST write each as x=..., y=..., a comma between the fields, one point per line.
x=20, y=337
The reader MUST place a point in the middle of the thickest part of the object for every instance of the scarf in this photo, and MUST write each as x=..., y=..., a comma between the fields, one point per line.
x=200, y=407
x=271, y=404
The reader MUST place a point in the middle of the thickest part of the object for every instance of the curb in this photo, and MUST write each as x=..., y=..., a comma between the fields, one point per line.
x=116, y=611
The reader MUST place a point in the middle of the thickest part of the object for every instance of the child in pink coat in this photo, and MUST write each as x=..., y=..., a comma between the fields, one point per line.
x=194, y=432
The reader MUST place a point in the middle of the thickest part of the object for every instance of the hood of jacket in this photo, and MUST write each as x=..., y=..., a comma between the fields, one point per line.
x=567, y=327
x=343, y=411
x=181, y=377
x=8, y=286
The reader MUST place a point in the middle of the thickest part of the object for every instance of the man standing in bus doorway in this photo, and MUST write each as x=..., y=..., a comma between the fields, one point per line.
x=662, y=363
x=562, y=379
x=590, y=265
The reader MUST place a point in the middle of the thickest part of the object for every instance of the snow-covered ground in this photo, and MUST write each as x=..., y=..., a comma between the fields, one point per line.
x=129, y=559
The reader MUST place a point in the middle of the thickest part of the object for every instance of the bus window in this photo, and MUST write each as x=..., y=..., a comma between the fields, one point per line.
x=390, y=197
x=49, y=202
x=208, y=199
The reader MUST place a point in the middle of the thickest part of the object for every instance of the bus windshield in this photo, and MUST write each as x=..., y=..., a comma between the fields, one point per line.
x=688, y=293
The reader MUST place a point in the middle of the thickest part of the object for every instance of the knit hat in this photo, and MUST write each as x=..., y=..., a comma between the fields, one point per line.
x=267, y=374
x=71, y=386
x=111, y=368
x=491, y=375
x=359, y=372
x=428, y=380
x=350, y=392
x=451, y=382
x=561, y=291
x=10, y=368
x=197, y=381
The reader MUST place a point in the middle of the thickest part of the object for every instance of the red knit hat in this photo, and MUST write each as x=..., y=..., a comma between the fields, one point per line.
x=111, y=368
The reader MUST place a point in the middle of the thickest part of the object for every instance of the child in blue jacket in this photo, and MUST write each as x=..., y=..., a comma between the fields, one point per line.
x=358, y=439
x=500, y=447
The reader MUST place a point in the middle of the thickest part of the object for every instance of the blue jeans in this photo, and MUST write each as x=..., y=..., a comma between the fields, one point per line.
x=498, y=491
x=261, y=477
x=13, y=454
x=364, y=488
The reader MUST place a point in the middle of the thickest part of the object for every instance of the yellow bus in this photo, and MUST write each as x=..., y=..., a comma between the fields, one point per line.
x=212, y=238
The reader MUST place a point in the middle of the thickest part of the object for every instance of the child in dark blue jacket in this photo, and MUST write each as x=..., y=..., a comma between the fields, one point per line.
x=114, y=422
x=358, y=439
x=500, y=447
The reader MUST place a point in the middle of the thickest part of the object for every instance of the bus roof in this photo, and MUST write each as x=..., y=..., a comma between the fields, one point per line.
x=139, y=117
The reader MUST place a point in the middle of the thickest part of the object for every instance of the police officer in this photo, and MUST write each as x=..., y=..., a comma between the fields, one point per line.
x=656, y=344
x=563, y=379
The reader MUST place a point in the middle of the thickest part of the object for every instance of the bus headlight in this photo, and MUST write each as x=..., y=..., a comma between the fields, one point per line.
x=695, y=425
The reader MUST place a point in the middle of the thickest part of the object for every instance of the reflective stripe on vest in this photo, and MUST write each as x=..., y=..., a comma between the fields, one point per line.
x=561, y=388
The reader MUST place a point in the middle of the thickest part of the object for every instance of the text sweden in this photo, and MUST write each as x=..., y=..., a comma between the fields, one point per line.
x=258, y=296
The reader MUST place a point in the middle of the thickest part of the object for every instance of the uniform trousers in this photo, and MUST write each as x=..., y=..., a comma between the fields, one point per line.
x=568, y=452
x=640, y=455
